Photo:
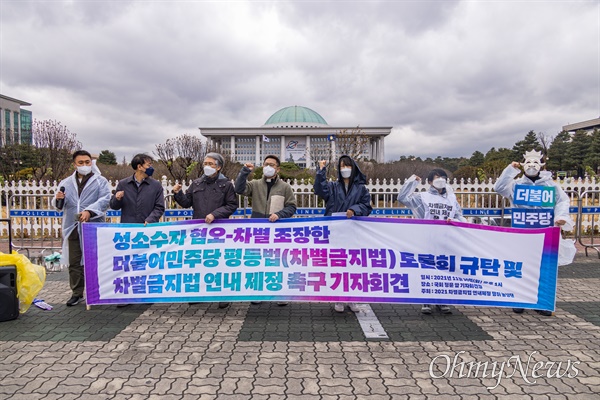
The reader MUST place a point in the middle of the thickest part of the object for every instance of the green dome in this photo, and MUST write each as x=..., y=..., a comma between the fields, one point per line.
x=295, y=116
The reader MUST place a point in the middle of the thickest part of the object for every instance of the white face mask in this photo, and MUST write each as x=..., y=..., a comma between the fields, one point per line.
x=532, y=167
x=268, y=171
x=346, y=172
x=84, y=169
x=439, y=183
x=533, y=163
x=209, y=171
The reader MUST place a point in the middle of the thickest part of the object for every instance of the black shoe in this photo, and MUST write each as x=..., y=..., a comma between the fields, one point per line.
x=255, y=302
x=223, y=305
x=74, y=300
x=282, y=303
x=123, y=305
x=197, y=302
x=545, y=313
x=518, y=310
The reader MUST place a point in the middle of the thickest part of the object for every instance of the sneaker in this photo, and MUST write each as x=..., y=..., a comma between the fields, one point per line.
x=545, y=313
x=339, y=307
x=444, y=309
x=223, y=305
x=74, y=300
x=518, y=310
x=426, y=309
x=282, y=303
x=354, y=307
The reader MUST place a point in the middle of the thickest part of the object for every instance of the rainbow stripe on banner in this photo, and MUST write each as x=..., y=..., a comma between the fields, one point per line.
x=322, y=259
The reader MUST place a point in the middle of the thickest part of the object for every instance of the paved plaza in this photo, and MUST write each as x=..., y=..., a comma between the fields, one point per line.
x=305, y=350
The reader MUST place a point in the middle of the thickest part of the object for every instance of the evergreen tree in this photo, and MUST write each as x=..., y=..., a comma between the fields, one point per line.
x=477, y=159
x=502, y=154
x=530, y=142
x=593, y=158
x=557, y=152
x=578, y=151
x=107, y=157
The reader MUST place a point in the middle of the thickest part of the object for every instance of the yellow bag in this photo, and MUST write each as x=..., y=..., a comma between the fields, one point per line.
x=30, y=278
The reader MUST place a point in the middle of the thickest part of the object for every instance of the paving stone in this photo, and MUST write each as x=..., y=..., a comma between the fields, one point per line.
x=175, y=351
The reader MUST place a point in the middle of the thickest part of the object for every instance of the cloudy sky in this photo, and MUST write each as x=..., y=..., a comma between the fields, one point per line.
x=450, y=77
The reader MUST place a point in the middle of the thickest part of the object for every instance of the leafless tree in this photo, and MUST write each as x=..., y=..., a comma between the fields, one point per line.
x=318, y=153
x=231, y=168
x=182, y=156
x=403, y=169
x=545, y=140
x=352, y=143
x=56, y=146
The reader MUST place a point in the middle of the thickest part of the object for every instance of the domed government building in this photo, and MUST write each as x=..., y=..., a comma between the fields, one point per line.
x=297, y=134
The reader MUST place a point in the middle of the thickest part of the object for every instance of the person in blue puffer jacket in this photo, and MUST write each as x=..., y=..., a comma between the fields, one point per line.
x=348, y=195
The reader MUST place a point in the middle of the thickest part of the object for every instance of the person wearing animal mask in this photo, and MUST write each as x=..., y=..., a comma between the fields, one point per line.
x=534, y=175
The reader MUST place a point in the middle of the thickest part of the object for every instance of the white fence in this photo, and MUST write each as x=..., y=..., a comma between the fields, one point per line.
x=27, y=204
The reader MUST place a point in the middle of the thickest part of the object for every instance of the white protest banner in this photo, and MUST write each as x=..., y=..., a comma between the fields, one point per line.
x=327, y=259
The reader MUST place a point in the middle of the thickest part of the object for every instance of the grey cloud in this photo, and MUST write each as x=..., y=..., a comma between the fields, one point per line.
x=451, y=77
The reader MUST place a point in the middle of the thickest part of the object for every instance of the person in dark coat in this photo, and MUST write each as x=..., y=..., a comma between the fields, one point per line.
x=139, y=197
x=348, y=195
x=211, y=196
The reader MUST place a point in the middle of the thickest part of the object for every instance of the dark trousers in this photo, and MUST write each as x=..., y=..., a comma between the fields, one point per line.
x=76, y=277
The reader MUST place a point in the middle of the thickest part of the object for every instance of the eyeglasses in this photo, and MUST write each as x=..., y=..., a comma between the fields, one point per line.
x=210, y=164
x=274, y=165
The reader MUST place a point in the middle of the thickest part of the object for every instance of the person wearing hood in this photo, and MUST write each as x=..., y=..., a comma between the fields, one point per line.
x=438, y=203
x=84, y=196
x=272, y=197
x=349, y=195
x=211, y=196
x=533, y=175
x=139, y=197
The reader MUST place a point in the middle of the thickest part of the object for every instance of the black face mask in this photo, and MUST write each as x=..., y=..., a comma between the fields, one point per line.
x=149, y=171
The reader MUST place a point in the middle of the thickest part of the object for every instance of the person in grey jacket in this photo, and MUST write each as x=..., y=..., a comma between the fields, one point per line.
x=272, y=198
x=211, y=196
x=139, y=197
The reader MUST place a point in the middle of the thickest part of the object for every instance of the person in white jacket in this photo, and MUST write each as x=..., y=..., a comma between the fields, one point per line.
x=438, y=202
x=84, y=197
x=535, y=176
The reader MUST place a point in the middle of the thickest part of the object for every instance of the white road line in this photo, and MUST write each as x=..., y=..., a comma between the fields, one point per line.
x=369, y=323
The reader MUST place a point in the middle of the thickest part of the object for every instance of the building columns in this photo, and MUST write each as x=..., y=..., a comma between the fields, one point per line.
x=308, y=157
x=257, y=160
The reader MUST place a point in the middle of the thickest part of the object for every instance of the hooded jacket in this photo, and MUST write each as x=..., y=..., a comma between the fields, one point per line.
x=338, y=198
x=208, y=195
